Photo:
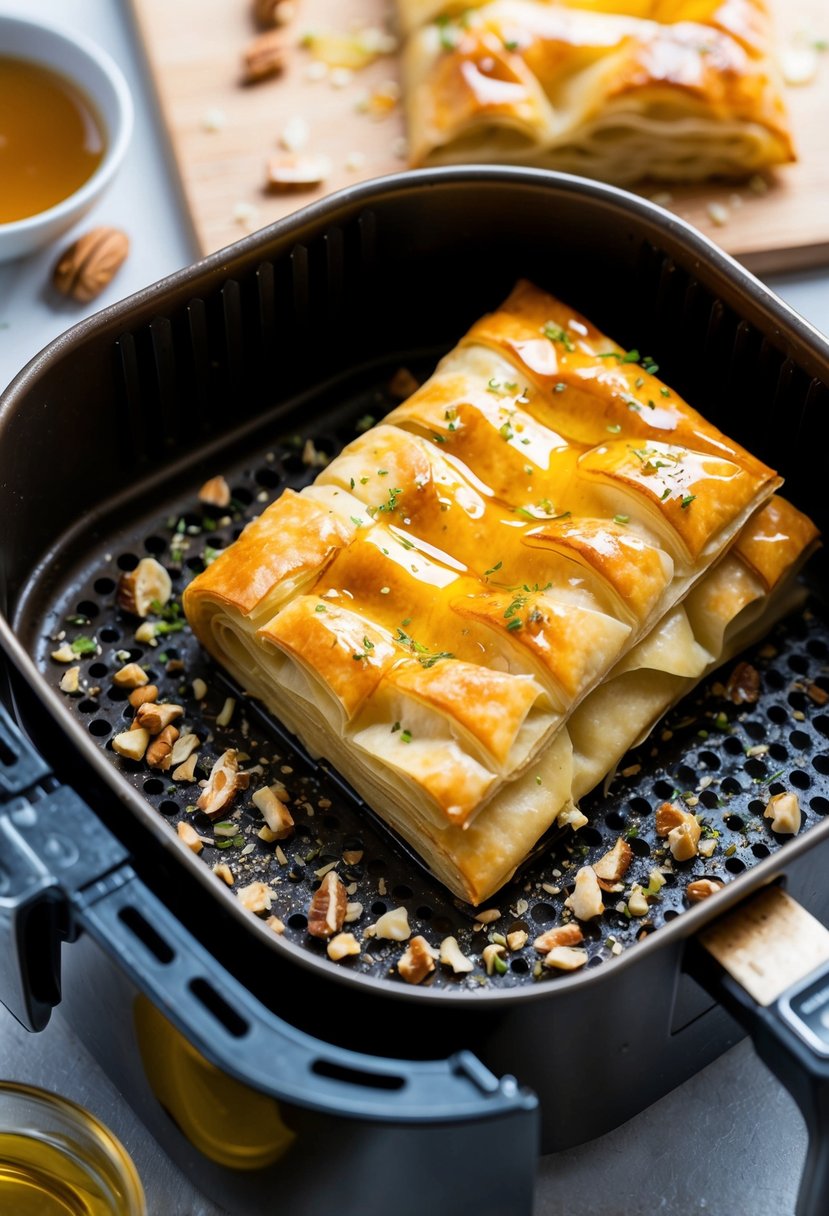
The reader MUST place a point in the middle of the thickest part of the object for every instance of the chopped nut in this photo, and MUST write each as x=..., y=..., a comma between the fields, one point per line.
x=681, y=828
x=256, y=897
x=493, y=956
x=638, y=901
x=148, y=584
x=274, y=812
x=215, y=492
x=184, y=746
x=155, y=718
x=488, y=916
x=131, y=743
x=342, y=946
x=612, y=868
x=352, y=857
x=586, y=900
x=571, y=817
x=354, y=51
x=743, y=687
x=452, y=956
x=784, y=812
x=223, y=784
x=701, y=888
x=187, y=770
x=295, y=134
x=131, y=676
x=190, y=836
x=668, y=817
x=90, y=263
x=160, y=751
x=799, y=64
x=274, y=923
x=199, y=689
x=718, y=213
x=70, y=681
x=226, y=713
x=224, y=872
x=273, y=12
x=140, y=696
x=565, y=958
x=562, y=935
x=518, y=939
x=264, y=57
x=64, y=654
x=403, y=384
x=418, y=961
x=328, y=907
x=353, y=911
x=297, y=172
x=817, y=694
x=707, y=847
x=394, y=925
x=146, y=634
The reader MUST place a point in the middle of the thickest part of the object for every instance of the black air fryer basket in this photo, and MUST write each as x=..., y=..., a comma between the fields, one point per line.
x=230, y=367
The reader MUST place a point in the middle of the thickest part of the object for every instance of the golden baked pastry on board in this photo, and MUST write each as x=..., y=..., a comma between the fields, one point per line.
x=620, y=90
x=485, y=599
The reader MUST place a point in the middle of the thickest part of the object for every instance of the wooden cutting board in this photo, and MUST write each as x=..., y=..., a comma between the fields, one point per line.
x=223, y=133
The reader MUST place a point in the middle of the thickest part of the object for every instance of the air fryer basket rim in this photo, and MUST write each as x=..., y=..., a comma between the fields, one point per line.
x=683, y=243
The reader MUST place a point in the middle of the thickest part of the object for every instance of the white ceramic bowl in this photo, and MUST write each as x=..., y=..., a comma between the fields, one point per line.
x=96, y=75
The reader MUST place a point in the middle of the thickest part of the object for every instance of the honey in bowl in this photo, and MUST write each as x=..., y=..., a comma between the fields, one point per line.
x=51, y=140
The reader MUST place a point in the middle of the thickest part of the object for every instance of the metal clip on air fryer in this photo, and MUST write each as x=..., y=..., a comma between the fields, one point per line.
x=767, y=962
x=52, y=888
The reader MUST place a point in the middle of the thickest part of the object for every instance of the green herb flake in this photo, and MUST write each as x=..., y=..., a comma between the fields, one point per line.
x=687, y=500
x=621, y=519
x=666, y=392
x=405, y=736
x=514, y=624
x=355, y=519
x=556, y=334
x=538, y=780
x=560, y=387
x=506, y=432
x=320, y=608
x=396, y=727
x=493, y=569
x=83, y=646
x=614, y=428
x=364, y=424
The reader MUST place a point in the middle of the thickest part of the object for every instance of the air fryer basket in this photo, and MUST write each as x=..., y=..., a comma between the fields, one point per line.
x=294, y=333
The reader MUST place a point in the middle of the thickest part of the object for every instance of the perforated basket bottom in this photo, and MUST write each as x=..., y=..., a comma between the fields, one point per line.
x=707, y=751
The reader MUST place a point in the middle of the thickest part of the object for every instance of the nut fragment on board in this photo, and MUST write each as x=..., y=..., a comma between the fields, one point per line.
x=452, y=956
x=256, y=897
x=189, y=836
x=612, y=867
x=155, y=718
x=276, y=815
x=131, y=743
x=264, y=57
x=297, y=172
x=565, y=958
x=130, y=676
x=561, y=935
x=743, y=687
x=269, y=13
x=90, y=263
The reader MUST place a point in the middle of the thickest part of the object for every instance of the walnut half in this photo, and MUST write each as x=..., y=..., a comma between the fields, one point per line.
x=90, y=264
x=326, y=915
x=223, y=784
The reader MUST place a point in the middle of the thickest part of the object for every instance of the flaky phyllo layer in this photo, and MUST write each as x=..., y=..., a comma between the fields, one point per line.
x=615, y=89
x=483, y=601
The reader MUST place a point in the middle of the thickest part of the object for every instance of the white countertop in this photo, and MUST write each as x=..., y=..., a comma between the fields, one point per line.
x=729, y=1142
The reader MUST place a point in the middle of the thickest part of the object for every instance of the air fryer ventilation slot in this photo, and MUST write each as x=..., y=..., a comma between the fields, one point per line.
x=719, y=762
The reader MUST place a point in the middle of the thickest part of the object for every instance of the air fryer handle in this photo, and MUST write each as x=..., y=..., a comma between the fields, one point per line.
x=56, y=855
x=767, y=962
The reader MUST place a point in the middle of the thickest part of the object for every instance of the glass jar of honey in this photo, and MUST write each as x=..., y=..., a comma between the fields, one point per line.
x=57, y=1160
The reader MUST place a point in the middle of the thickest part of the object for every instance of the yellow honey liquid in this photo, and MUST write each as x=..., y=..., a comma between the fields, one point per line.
x=37, y=1179
x=51, y=141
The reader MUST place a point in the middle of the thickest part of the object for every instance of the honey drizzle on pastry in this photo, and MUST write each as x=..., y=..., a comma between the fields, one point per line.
x=491, y=539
